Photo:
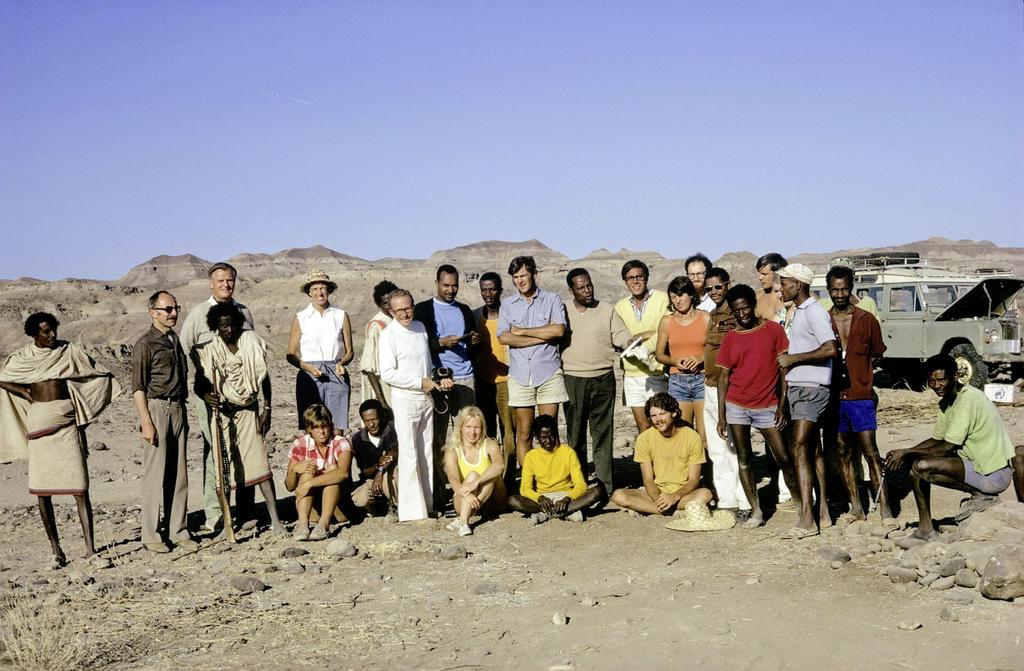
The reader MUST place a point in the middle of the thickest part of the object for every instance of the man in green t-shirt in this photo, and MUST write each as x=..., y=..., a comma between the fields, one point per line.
x=970, y=449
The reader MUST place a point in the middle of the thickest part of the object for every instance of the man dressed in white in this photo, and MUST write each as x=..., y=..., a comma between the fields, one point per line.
x=404, y=359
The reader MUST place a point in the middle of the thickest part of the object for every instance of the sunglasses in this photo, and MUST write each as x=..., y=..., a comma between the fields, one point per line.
x=714, y=287
x=169, y=309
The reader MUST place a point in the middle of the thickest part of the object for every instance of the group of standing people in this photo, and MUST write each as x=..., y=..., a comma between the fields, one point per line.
x=703, y=362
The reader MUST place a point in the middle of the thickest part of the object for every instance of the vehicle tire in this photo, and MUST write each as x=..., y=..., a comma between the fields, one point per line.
x=972, y=370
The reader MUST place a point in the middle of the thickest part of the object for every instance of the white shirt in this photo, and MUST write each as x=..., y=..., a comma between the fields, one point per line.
x=404, y=357
x=321, y=336
x=707, y=305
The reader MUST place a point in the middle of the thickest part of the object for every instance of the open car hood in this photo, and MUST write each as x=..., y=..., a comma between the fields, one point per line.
x=991, y=298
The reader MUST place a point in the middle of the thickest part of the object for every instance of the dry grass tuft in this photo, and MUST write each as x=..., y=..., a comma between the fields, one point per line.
x=47, y=640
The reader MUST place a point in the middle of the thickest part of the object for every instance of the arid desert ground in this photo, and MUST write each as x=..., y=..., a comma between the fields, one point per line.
x=608, y=593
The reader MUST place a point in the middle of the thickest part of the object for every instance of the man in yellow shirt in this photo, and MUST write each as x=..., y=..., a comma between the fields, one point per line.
x=553, y=484
x=670, y=454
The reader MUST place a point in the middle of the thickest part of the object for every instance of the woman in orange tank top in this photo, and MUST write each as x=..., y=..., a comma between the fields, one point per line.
x=681, y=338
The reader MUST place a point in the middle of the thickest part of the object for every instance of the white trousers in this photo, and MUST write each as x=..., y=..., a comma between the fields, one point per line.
x=723, y=455
x=414, y=429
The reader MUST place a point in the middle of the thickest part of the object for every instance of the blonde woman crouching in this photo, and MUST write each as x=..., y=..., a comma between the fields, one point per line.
x=475, y=465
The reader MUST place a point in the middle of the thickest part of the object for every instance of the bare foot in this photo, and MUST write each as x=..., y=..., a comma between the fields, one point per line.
x=754, y=521
x=925, y=535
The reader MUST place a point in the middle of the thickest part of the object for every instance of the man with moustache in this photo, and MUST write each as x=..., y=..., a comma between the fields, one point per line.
x=697, y=268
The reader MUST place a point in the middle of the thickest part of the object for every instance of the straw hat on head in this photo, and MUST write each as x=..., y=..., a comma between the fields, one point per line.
x=317, y=276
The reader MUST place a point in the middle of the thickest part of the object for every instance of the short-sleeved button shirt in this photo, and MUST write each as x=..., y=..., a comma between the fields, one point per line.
x=304, y=448
x=532, y=366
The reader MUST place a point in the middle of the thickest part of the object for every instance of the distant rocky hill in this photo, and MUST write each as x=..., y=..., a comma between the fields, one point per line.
x=109, y=315
x=961, y=255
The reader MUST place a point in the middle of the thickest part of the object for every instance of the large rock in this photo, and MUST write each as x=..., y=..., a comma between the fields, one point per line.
x=1003, y=522
x=1004, y=573
x=247, y=584
x=339, y=547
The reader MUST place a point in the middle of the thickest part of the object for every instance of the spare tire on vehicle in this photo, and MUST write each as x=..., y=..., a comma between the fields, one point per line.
x=971, y=369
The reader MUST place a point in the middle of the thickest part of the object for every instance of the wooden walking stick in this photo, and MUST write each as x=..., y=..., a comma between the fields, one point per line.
x=223, y=466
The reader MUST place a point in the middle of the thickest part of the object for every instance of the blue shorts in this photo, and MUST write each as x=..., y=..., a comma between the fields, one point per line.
x=759, y=418
x=857, y=416
x=686, y=387
x=995, y=482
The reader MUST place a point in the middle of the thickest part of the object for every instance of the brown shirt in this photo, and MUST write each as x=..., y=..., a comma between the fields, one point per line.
x=721, y=322
x=159, y=366
x=863, y=345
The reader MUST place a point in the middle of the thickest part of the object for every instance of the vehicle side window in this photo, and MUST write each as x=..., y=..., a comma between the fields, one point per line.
x=939, y=295
x=874, y=293
x=904, y=299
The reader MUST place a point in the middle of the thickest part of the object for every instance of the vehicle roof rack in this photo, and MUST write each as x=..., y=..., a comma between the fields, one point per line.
x=878, y=260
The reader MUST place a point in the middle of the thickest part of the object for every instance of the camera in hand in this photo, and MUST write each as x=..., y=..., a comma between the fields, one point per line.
x=441, y=373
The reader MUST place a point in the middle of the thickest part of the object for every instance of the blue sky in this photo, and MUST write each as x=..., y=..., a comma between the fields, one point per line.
x=131, y=129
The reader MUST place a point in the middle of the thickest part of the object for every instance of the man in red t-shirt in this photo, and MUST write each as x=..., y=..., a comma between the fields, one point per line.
x=749, y=389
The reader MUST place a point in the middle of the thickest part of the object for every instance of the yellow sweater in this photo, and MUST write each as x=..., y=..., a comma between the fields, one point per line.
x=656, y=308
x=555, y=471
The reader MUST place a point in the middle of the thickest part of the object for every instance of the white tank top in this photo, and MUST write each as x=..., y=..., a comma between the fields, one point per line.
x=321, y=334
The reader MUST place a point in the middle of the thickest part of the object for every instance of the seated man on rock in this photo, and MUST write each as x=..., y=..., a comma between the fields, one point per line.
x=671, y=455
x=970, y=449
x=553, y=484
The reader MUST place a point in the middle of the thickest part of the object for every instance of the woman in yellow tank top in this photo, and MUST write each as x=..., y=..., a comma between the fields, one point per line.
x=475, y=465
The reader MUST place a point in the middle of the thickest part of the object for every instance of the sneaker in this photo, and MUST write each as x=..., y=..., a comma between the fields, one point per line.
x=464, y=529
x=539, y=518
x=575, y=517
x=301, y=534
x=454, y=525
x=318, y=534
x=158, y=548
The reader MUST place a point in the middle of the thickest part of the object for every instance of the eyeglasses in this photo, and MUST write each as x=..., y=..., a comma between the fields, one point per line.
x=169, y=309
x=695, y=275
x=401, y=310
x=714, y=287
x=635, y=278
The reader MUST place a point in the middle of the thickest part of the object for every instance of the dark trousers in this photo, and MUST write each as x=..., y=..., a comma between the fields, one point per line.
x=592, y=401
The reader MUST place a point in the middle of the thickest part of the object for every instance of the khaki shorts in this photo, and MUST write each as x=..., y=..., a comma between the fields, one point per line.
x=552, y=391
x=636, y=390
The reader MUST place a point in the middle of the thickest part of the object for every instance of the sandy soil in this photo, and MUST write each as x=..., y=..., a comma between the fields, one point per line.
x=632, y=592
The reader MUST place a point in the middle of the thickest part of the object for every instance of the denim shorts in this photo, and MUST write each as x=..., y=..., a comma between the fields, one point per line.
x=686, y=387
x=807, y=403
x=857, y=416
x=759, y=418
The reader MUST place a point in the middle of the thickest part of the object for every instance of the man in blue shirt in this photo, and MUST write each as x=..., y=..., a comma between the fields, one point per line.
x=531, y=324
x=452, y=337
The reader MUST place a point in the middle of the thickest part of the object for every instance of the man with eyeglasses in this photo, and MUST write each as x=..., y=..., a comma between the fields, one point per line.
x=697, y=268
x=641, y=311
x=194, y=333
x=159, y=391
x=721, y=451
